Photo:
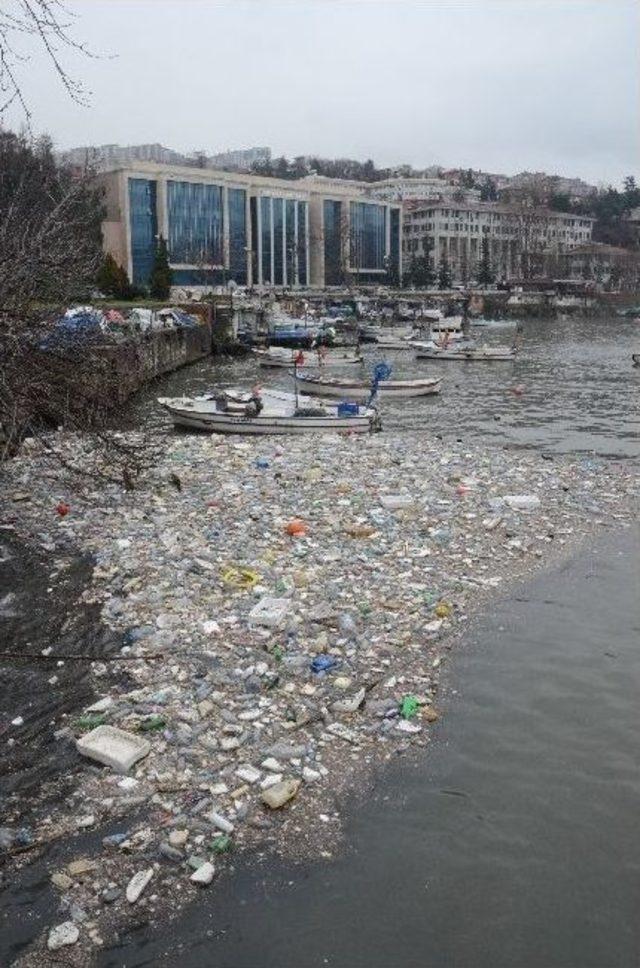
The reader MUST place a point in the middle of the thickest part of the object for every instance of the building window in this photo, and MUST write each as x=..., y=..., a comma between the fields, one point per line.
x=265, y=238
x=278, y=241
x=333, y=235
x=195, y=223
x=143, y=225
x=237, y=201
x=367, y=241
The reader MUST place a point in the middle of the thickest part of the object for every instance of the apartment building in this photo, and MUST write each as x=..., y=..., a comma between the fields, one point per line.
x=222, y=226
x=520, y=239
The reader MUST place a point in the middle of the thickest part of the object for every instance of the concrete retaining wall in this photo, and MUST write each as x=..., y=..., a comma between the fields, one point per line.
x=137, y=361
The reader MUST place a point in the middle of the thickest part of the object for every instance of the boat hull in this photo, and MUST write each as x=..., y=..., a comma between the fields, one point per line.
x=232, y=423
x=466, y=356
x=355, y=391
x=274, y=361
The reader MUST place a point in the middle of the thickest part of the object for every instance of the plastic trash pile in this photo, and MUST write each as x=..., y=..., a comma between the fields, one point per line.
x=285, y=618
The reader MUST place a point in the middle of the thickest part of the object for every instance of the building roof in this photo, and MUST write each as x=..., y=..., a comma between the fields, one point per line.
x=500, y=207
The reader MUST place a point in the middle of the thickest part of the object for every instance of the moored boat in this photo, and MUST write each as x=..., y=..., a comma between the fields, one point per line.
x=280, y=414
x=469, y=354
x=281, y=357
x=321, y=386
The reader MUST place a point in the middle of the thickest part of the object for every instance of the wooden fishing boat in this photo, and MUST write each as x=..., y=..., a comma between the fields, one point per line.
x=321, y=386
x=280, y=415
x=281, y=357
x=469, y=354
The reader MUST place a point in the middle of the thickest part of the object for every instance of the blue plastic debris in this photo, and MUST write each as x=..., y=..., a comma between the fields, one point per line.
x=262, y=463
x=346, y=409
x=322, y=663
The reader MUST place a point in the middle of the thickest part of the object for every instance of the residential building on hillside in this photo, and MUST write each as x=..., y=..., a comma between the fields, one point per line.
x=421, y=189
x=242, y=158
x=103, y=157
x=222, y=226
x=520, y=240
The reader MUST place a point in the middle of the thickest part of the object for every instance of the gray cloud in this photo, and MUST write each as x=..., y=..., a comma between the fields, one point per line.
x=543, y=84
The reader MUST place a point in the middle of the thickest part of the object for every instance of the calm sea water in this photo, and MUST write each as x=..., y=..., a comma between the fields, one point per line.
x=581, y=393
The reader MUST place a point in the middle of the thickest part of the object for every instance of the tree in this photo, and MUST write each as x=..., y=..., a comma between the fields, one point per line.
x=113, y=280
x=486, y=274
x=421, y=274
x=488, y=191
x=161, y=275
x=50, y=228
x=444, y=273
x=467, y=179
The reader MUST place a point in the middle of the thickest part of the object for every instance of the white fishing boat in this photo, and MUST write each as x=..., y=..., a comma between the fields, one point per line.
x=463, y=354
x=284, y=357
x=321, y=386
x=280, y=414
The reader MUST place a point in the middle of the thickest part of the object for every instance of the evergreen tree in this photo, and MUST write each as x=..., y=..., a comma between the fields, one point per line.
x=488, y=191
x=486, y=274
x=112, y=279
x=421, y=274
x=444, y=273
x=161, y=275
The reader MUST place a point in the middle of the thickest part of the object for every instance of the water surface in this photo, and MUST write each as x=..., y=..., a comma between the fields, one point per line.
x=580, y=391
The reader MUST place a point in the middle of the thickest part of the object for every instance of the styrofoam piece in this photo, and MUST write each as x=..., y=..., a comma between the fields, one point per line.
x=271, y=612
x=114, y=747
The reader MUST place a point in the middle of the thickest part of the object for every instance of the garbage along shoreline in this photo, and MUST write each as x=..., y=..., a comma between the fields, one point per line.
x=285, y=609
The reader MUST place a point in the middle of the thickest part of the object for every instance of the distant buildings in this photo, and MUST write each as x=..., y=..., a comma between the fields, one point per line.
x=400, y=189
x=241, y=160
x=520, y=240
x=222, y=226
x=103, y=157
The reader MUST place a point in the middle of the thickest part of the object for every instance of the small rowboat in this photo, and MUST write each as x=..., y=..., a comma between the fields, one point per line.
x=281, y=357
x=280, y=415
x=320, y=386
x=636, y=359
x=470, y=355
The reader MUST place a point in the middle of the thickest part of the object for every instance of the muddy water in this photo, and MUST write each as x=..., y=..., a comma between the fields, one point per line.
x=40, y=609
x=581, y=393
x=512, y=842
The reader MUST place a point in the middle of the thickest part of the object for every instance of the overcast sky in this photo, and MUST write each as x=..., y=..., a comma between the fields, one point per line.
x=499, y=84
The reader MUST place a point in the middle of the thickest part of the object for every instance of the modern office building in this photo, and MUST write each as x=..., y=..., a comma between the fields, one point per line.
x=520, y=240
x=221, y=226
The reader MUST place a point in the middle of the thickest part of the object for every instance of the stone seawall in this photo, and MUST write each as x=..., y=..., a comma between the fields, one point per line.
x=137, y=361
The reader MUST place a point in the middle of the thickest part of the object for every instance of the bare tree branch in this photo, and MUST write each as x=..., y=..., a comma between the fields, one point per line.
x=48, y=23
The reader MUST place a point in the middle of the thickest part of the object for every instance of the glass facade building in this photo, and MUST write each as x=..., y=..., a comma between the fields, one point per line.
x=241, y=228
